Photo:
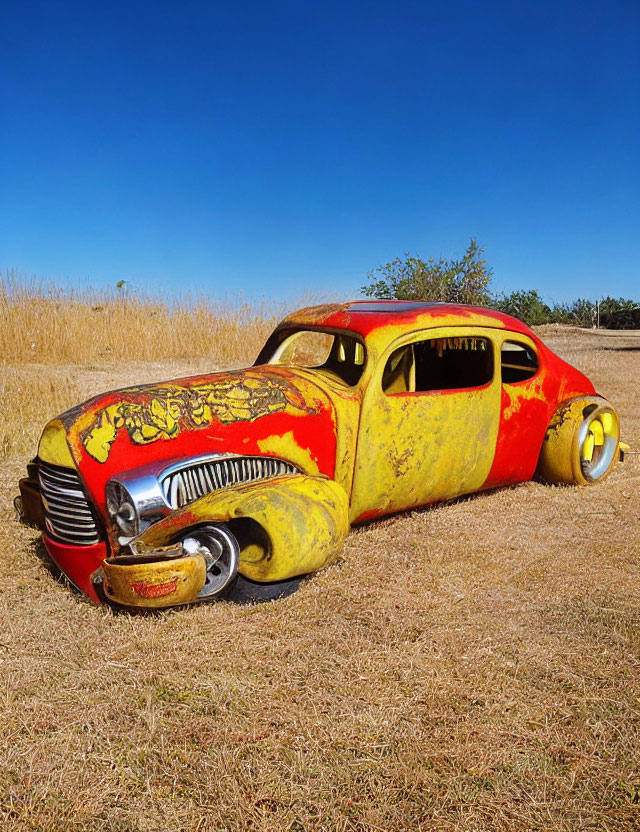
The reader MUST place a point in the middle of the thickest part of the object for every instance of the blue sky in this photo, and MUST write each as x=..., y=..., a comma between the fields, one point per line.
x=283, y=148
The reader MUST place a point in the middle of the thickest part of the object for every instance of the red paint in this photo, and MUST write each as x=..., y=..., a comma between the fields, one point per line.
x=348, y=316
x=77, y=563
x=370, y=514
x=145, y=590
x=523, y=426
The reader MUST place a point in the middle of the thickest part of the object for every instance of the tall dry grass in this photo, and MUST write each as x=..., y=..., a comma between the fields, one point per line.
x=42, y=323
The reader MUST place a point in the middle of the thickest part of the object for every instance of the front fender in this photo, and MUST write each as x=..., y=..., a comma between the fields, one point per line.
x=285, y=526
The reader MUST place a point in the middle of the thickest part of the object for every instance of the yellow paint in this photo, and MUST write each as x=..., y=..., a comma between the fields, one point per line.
x=416, y=448
x=588, y=447
x=53, y=447
x=346, y=401
x=102, y=433
x=347, y=421
x=162, y=583
x=304, y=522
x=285, y=447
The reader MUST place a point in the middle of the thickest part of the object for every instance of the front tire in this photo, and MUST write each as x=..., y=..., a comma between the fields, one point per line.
x=221, y=552
x=244, y=591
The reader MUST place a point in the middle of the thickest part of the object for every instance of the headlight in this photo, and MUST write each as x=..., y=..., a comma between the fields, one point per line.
x=134, y=501
x=122, y=511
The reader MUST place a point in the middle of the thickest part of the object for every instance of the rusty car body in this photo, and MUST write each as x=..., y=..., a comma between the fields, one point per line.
x=161, y=494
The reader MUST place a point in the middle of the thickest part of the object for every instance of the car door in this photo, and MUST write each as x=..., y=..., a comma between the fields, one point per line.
x=429, y=421
x=525, y=409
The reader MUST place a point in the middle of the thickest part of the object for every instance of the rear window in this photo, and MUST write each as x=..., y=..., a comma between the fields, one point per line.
x=519, y=362
x=439, y=364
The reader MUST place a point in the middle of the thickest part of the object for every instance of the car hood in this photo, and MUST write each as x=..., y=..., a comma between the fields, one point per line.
x=262, y=411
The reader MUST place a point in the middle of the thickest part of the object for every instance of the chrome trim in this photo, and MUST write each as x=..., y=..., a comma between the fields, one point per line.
x=157, y=489
x=67, y=513
x=145, y=495
x=186, y=481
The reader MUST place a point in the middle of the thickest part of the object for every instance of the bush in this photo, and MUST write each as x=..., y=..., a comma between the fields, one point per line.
x=526, y=305
x=468, y=280
x=465, y=280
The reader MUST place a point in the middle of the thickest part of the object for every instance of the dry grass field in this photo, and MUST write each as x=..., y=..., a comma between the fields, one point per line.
x=473, y=666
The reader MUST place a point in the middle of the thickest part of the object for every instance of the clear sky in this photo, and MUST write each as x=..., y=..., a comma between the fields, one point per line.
x=287, y=147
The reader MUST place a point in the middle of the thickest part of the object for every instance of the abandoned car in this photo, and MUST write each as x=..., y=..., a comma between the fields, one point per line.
x=163, y=494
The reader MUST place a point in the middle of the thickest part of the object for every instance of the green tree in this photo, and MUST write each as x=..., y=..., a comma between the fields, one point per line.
x=580, y=312
x=465, y=280
x=619, y=313
x=526, y=305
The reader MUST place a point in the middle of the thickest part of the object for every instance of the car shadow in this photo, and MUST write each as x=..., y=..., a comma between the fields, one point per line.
x=39, y=550
x=244, y=592
x=619, y=349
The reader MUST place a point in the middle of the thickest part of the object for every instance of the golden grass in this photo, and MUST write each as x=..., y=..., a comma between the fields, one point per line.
x=48, y=325
x=473, y=666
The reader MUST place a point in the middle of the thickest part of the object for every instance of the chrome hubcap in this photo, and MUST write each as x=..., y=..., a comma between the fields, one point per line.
x=221, y=553
x=598, y=442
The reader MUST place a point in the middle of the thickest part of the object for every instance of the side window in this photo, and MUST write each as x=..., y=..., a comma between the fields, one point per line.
x=519, y=362
x=439, y=364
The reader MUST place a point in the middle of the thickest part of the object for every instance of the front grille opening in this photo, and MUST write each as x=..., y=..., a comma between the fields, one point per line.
x=184, y=485
x=68, y=516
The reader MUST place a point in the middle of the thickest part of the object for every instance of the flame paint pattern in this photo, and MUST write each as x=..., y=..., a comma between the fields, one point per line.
x=166, y=411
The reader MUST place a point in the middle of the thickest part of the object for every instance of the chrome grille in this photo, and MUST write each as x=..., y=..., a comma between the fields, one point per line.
x=67, y=515
x=187, y=483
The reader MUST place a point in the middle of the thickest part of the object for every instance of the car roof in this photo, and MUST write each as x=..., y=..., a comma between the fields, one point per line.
x=365, y=316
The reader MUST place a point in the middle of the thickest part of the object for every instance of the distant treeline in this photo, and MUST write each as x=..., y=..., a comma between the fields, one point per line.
x=468, y=280
x=528, y=306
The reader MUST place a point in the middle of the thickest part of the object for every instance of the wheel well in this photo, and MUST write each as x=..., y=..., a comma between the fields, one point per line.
x=252, y=538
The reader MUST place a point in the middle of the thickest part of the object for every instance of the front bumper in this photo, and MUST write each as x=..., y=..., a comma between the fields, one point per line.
x=150, y=583
x=162, y=578
x=128, y=582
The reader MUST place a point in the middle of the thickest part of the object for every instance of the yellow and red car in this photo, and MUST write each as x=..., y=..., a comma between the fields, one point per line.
x=163, y=494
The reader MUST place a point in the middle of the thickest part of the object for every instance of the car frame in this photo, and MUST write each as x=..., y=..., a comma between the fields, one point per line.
x=169, y=493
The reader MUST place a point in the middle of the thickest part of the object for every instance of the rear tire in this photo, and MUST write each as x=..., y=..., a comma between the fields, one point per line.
x=581, y=445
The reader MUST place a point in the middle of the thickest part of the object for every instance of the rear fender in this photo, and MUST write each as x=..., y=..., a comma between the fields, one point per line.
x=285, y=526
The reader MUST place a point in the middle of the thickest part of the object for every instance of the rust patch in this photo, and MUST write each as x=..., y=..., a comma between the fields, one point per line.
x=162, y=412
x=315, y=315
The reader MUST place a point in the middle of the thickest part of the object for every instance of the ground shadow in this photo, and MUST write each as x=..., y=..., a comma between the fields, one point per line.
x=620, y=349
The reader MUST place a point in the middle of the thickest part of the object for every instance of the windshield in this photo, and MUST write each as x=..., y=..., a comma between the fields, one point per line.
x=339, y=355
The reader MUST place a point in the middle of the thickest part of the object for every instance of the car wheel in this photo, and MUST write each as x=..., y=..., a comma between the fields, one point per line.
x=581, y=445
x=221, y=553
